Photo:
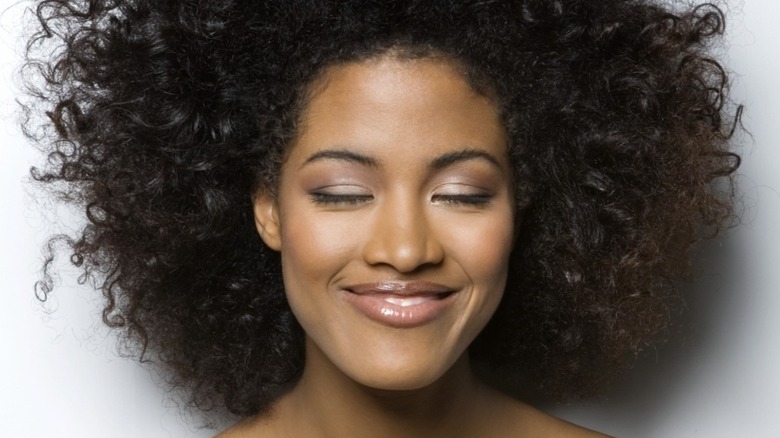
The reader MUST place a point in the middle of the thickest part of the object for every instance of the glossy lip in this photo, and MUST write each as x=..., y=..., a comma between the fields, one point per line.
x=400, y=304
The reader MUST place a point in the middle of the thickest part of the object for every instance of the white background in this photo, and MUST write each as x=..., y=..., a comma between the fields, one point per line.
x=718, y=377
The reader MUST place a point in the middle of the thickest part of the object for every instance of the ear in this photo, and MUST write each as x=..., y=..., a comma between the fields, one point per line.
x=266, y=213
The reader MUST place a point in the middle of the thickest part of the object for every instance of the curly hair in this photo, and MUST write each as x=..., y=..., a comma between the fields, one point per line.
x=165, y=116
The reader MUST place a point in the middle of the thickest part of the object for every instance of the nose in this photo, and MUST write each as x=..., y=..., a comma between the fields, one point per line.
x=403, y=237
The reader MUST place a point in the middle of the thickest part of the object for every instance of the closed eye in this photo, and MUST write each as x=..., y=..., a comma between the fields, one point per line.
x=464, y=199
x=340, y=199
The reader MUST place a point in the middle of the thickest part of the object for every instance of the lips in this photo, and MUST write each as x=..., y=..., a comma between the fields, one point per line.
x=400, y=304
x=409, y=301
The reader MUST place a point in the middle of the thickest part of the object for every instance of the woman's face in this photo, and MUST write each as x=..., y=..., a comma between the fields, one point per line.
x=394, y=219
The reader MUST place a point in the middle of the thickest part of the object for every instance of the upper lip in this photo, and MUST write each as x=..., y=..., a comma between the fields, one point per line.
x=405, y=288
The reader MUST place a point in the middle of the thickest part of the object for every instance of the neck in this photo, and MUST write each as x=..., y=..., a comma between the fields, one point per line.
x=328, y=403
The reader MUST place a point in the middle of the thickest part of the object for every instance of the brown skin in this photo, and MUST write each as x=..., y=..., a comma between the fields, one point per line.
x=458, y=406
x=399, y=174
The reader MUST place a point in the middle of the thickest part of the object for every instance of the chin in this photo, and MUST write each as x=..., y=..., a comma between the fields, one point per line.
x=395, y=382
x=401, y=375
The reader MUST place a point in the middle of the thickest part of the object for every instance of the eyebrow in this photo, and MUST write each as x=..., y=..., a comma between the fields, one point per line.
x=451, y=158
x=438, y=163
x=344, y=155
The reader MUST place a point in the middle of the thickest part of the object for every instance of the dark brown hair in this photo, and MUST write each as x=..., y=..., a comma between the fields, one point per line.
x=167, y=115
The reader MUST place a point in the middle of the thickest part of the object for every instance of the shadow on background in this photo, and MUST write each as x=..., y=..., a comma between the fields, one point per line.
x=647, y=394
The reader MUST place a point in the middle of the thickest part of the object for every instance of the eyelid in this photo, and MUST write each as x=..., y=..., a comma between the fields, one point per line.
x=472, y=195
x=341, y=194
x=342, y=189
x=459, y=188
x=327, y=199
x=475, y=200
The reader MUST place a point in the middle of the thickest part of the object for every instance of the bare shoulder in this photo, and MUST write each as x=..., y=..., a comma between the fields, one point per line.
x=556, y=427
x=522, y=419
x=239, y=430
x=255, y=426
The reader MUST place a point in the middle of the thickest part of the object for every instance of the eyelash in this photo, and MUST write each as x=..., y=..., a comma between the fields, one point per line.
x=349, y=199
x=473, y=200
x=346, y=199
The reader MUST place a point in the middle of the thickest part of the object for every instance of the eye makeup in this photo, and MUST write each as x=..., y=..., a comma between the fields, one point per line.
x=476, y=200
x=344, y=178
x=339, y=199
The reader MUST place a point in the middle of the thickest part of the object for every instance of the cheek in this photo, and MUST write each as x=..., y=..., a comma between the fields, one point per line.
x=314, y=250
x=483, y=249
x=310, y=246
x=312, y=241
x=487, y=266
x=481, y=246
x=488, y=253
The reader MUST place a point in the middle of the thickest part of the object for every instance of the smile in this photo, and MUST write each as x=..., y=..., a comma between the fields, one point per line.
x=400, y=305
x=409, y=301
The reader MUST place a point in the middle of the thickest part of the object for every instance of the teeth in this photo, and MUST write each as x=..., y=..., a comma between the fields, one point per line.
x=409, y=301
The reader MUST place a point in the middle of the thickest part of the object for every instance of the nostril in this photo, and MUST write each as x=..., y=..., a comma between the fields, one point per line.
x=402, y=236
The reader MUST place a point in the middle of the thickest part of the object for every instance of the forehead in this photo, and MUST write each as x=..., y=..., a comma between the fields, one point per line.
x=389, y=103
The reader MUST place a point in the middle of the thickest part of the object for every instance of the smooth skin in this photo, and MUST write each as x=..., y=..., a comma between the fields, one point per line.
x=399, y=174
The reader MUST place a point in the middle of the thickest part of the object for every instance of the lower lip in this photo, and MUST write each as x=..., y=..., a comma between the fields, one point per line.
x=376, y=308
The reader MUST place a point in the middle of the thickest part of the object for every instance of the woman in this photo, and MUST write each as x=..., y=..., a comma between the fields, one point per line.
x=450, y=197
